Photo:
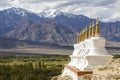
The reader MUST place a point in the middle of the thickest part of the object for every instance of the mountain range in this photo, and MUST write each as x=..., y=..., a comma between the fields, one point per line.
x=50, y=26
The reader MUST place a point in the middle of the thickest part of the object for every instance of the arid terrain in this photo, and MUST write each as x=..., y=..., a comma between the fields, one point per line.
x=33, y=51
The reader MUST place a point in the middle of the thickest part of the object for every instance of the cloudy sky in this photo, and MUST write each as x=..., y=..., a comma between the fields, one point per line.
x=106, y=10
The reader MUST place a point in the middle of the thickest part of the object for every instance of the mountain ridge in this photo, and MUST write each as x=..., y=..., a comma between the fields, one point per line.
x=61, y=28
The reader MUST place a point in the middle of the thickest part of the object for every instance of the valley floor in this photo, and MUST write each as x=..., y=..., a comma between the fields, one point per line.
x=38, y=51
x=35, y=51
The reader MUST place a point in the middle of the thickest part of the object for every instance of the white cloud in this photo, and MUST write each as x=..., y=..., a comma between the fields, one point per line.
x=107, y=10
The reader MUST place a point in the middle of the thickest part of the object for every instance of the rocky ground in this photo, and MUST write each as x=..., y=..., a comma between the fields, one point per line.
x=60, y=78
x=110, y=71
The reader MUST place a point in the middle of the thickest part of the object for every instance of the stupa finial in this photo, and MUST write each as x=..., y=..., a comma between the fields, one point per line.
x=97, y=29
x=93, y=29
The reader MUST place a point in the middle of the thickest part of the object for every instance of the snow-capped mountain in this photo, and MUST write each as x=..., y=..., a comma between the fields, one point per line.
x=66, y=19
x=32, y=27
x=50, y=26
x=51, y=13
x=11, y=18
x=19, y=11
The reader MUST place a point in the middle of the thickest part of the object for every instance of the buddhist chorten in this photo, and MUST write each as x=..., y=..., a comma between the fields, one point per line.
x=88, y=53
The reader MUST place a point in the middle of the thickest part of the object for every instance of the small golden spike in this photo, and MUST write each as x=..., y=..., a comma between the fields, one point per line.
x=97, y=20
x=97, y=29
x=83, y=34
x=86, y=32
x=77, y=38
x=80, y=37
x=93, y=29
x=90, y=30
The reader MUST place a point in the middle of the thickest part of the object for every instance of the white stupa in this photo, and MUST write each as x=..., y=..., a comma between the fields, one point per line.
x=88, y=53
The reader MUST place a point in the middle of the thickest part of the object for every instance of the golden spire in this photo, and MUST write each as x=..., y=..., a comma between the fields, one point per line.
x=77, y=38
x=93, y=29
x=86, y=33
x=97, y=29
x=90, y=30
x=82, y=35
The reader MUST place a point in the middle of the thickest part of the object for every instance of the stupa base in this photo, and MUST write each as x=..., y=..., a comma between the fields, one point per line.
x=97, y=60
x=74, y=73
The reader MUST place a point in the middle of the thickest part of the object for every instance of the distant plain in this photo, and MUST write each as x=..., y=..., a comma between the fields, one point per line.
x=39, y=51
